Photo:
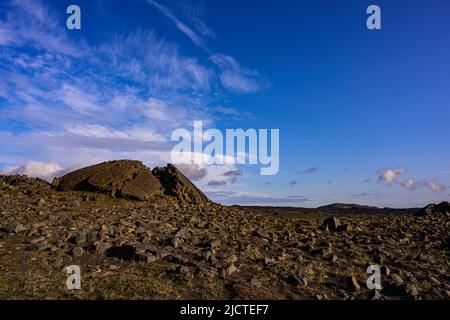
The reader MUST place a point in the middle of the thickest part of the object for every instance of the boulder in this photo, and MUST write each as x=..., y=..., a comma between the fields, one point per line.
x=430, y=209
x=331, y=224
x=132, y=180
x=177, y=185
x=122, y=178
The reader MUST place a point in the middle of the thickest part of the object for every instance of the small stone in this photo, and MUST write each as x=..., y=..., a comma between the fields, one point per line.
x=146, y=257
x=39, y=239
x=41, y=246
x=435, y=281
x=268, y=260
x=344, y=227
x=14, y=228
x=395, y=279
x=255, y=282
x=161, y=254
x=77, y=252
x=92, y=236
x=410, y=289
x=213, y=244
x=182, y=233
x=375, y=295
x=331, y=224
x=354, y=283
x=230, y=269
x=185, y=272
x=176, y=242
x=232, y=259
x=297, y=280
x=102, y=247
x=385, y=270
x=80, y=238
x=261, y=234
x=423, y=236
x=19, y=228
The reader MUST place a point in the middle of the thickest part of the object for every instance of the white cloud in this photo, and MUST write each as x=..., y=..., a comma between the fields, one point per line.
x=154, y=62
x=78, y=99
x=409, y=184
x=35, y=169
x=30, y=23
x=98, y=131
x=395, y=175
x=232, y=113
x=84, y=104
x=436, y=186
x=235, y=78
x=5, y=35
x=389, y=175
x=180, y=25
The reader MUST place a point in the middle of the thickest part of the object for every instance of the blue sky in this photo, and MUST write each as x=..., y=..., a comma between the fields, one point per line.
x=363, y=114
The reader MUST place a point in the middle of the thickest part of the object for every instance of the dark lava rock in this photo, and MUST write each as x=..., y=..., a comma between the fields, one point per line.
x=132, y=180
x=430, y=209
x=13, y=228
x=122, y=178
x=177, y=185
x=331, y=224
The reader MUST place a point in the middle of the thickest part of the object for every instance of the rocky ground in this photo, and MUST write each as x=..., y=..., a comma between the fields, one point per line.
x=161, y=249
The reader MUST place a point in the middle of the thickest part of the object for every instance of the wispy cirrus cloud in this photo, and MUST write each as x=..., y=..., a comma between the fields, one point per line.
x=29, y=23
x=236, y=78
x=196, y=39
x=67, y=103
x=125, y=92
x=233, y=76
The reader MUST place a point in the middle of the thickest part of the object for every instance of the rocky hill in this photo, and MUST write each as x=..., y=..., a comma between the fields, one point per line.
x=132, y=180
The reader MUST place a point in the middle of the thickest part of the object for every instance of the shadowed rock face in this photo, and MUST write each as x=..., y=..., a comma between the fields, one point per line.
x=431, y=209
x=177, y=185
x=122, y=178
x=133, y=180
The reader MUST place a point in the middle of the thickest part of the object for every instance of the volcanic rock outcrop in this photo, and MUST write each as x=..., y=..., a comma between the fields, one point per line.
x=440, y=208
x=123, y=178
x=132, y=180
x=177, y=185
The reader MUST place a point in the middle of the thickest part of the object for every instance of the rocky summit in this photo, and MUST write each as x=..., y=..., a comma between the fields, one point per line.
x=177, y=185
x=141, y=234
x=441, y=208
x=132, y=180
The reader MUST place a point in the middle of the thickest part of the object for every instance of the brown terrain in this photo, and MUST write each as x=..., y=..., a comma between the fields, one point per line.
x=141, y=234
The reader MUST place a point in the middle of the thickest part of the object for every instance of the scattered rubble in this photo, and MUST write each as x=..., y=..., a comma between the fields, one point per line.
x=192, y=248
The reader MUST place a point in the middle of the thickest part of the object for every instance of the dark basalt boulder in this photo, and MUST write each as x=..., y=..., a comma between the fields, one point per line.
x=177, y=185
x=441, y=208
x=132, y=180
x=122, y=179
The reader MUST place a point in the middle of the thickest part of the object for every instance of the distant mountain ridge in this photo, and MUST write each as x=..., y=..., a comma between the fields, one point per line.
x=335, y=208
